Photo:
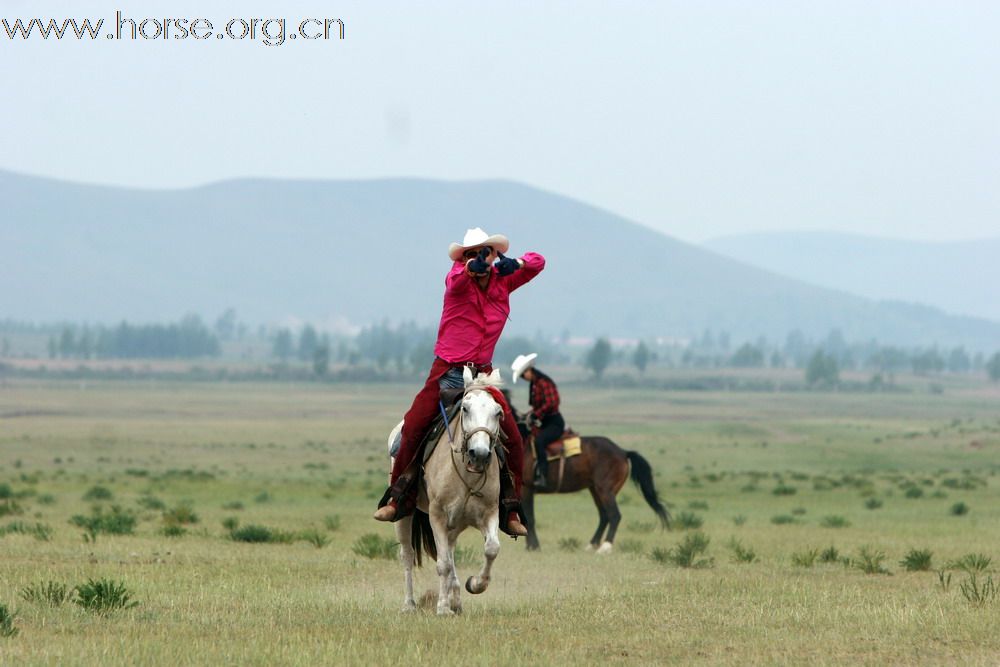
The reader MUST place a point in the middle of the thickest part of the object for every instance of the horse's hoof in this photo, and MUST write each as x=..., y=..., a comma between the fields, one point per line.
x=445, y=611
x=604, y=549
x=477, y=587
x=409, y=607
x=590, y=547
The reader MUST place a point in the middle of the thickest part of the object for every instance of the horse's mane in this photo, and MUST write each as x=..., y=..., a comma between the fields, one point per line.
x=491, y=380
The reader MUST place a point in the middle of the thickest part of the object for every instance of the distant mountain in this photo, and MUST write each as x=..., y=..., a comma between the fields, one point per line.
x=961, y=277
x=365, y=251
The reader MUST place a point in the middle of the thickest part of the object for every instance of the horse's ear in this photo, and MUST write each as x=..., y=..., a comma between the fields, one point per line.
x=467, y=375
x=495, y=377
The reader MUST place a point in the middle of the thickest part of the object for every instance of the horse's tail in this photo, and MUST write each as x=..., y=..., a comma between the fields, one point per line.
x=421, y=536
x=642, y=475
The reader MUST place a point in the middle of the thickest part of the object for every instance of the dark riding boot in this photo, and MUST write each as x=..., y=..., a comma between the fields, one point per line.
x=511, y=515
x=541, y=482
x=400, y=499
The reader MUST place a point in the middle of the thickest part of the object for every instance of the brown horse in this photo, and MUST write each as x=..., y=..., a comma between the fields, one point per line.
x=602, y=467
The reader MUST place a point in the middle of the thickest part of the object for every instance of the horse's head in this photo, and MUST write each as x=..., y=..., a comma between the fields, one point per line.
x=481, y=415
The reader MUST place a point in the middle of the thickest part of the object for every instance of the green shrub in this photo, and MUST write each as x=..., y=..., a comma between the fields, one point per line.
x=741, y=554
x=829, y=555
x=39, y=531
x=259, y=534
x=641, y=526
x=332, y=522
x=151, y=503
x=805, y=558
x=916, y=560
x=230, y=523
x=686, y=554
x=688, y=520
x=233, y=506
x=698, y=505
x=869, y=561
x=569, y=544
x=739, y=520
x=959, y=509
x=173, y=530
x=115, y=522
x=873, y=503
x=49, y=592
x=7, y=617
x=913, y=492
x=104, y=596
x=971, y=563
x=978, y=593
x=782, y=519
x=632, y=547
x=98, y=493
x=784, y=490
x=371, y=545
x=315, y=538
x=834, y=521
x=183, y=514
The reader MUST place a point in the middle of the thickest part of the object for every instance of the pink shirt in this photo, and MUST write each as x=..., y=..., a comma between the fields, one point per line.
x=473, y=318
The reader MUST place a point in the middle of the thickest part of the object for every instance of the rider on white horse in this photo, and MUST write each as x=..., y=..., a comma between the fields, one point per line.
x=476, y=307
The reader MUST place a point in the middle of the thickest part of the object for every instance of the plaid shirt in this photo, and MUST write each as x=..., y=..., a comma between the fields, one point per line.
x=543, y=396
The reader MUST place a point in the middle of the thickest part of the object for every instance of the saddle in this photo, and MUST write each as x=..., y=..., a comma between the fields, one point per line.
x=565, y=447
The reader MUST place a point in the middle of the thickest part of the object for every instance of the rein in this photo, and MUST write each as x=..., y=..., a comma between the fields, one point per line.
x=463, y=449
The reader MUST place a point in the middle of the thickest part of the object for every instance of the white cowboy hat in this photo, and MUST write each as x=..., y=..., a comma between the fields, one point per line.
x=475, y=238
x=522, y=363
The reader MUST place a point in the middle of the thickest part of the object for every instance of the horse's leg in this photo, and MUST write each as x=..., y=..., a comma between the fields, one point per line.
x=407, y=557
x=528, y=505
x=445, y=559
x=614, y=516
x=491, y=548
x=595, y=541
x=454, y=587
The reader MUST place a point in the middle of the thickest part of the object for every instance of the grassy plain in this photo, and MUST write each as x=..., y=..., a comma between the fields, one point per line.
x=311, y=457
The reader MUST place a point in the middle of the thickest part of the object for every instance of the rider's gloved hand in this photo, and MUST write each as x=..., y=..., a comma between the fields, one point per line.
x=479, y=264
x=506, y=265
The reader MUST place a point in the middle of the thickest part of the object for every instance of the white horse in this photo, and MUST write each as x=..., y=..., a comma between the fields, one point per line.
x=460, y=489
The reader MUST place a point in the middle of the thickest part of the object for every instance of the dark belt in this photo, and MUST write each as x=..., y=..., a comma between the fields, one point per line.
x=471, y=365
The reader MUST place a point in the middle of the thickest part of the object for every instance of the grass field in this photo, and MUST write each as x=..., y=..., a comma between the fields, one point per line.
x=796, y=493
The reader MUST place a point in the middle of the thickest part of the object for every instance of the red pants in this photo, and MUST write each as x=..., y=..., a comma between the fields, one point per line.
x=425, y=407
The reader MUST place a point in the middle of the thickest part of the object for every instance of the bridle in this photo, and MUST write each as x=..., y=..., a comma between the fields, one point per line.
x=494, y=434
x=463, y=448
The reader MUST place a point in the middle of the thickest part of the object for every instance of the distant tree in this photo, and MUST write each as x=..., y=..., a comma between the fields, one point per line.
x=599, y=357
x=822, y=370
x=67, y=343
x=747, y=356
x=928, y=361
x=85, y=344
x=5, y=350
x=959, y=361
x=282, y=348
x=225, y=326
x=308, y=342
x=321, y=359
x=640, y=358
x=993, y=367
x=53, y=348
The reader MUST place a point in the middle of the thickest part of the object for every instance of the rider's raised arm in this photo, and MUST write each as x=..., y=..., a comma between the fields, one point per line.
x=533, y=263
x=458, y=279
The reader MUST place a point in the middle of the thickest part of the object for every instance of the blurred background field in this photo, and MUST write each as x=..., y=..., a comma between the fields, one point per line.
x=815, y=506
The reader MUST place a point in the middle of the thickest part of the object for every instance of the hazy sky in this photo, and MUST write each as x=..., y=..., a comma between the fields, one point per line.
x=697, y=119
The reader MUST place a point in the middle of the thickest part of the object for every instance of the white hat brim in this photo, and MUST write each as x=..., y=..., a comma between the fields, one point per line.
x=522, y=363
x=498, y=242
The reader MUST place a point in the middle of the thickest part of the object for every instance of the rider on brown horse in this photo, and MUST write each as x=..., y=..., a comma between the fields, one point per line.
x=476, y=306
x=544, y=400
